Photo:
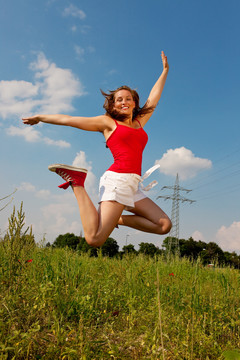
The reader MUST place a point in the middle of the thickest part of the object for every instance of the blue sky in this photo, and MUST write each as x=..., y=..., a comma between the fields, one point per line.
x=56, y=56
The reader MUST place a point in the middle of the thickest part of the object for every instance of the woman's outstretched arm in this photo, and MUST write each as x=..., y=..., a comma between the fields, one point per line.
x=157, y=89
x=96, y=123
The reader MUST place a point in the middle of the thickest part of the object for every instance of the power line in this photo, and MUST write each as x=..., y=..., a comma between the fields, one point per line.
x=6, y=197
x=222, y=169
x=235, y=172
x=229, y=171
x=221, y=192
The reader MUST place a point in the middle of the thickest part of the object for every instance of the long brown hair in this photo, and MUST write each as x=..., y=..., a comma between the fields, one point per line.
x=137, y=111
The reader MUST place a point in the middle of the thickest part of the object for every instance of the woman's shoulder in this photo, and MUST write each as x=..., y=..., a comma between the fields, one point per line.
x=108, y=120
x=106, y=123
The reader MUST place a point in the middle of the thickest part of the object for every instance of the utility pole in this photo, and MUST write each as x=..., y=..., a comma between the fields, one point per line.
x=176, y=198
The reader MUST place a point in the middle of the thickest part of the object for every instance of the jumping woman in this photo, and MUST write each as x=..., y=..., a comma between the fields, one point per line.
x=119, y=188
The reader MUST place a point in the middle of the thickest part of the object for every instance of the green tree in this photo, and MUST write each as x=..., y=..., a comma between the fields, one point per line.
x=232, y=259
x=110, y=247
x=148, y=249
x=69, y=239
x=83, y=247
x=167, y=241
x=129, y=249
x=212, y=253
x=191, y=248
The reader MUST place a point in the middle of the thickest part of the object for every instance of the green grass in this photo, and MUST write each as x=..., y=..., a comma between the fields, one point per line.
x=63, y=305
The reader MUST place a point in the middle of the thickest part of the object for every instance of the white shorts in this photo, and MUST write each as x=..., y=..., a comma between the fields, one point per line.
x=120, y=187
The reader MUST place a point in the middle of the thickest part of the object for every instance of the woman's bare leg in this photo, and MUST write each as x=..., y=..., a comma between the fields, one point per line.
x=148, y=217
x=97, y=225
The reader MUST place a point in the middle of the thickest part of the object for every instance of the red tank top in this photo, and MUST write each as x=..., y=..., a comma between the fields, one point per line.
x=126, y=145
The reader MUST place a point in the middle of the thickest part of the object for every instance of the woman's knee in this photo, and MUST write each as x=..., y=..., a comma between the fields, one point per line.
x=165, y=226
x=94, y=241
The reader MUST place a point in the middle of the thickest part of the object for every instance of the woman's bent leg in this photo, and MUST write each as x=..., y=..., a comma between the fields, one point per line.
x=97, y=225
x=148, y=217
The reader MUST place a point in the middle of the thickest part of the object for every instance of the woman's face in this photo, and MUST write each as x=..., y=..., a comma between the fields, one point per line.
x=123, y=102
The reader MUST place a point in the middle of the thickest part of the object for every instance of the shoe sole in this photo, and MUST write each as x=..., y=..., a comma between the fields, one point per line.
x=54, y=167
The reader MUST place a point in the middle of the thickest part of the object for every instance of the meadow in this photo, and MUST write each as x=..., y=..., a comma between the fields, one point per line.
x=59, y=304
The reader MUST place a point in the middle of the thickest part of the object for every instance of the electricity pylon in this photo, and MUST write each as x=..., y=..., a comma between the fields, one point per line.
x=176, y=198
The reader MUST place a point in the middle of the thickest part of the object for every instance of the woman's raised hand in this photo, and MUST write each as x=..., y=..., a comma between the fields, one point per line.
x=165, y=62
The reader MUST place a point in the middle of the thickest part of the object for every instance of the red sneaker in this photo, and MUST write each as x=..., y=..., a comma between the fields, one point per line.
x=72, y=175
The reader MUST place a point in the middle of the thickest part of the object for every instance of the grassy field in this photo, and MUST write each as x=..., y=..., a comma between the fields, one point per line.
x=58, y=304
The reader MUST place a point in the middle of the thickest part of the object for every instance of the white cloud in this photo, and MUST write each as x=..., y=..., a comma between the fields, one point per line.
x=84, y=29
x=40, y=64
x=43, y=194
x=74, y=28
x=17, y=89
x=197, y=235
x=58, y=87
x=15, y=97
x=112, y=72
x=228, y=238
x=183, y=162
x=57, y=210
x=29, y=134
x=28, y=187
x=74, y=11
x=79, y=51
x=52, y=91
x=60, y=218
x=81, y=161
x=32, y=135
x=59, y=143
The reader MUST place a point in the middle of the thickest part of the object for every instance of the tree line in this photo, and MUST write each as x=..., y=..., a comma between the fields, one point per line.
x=207, y=252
